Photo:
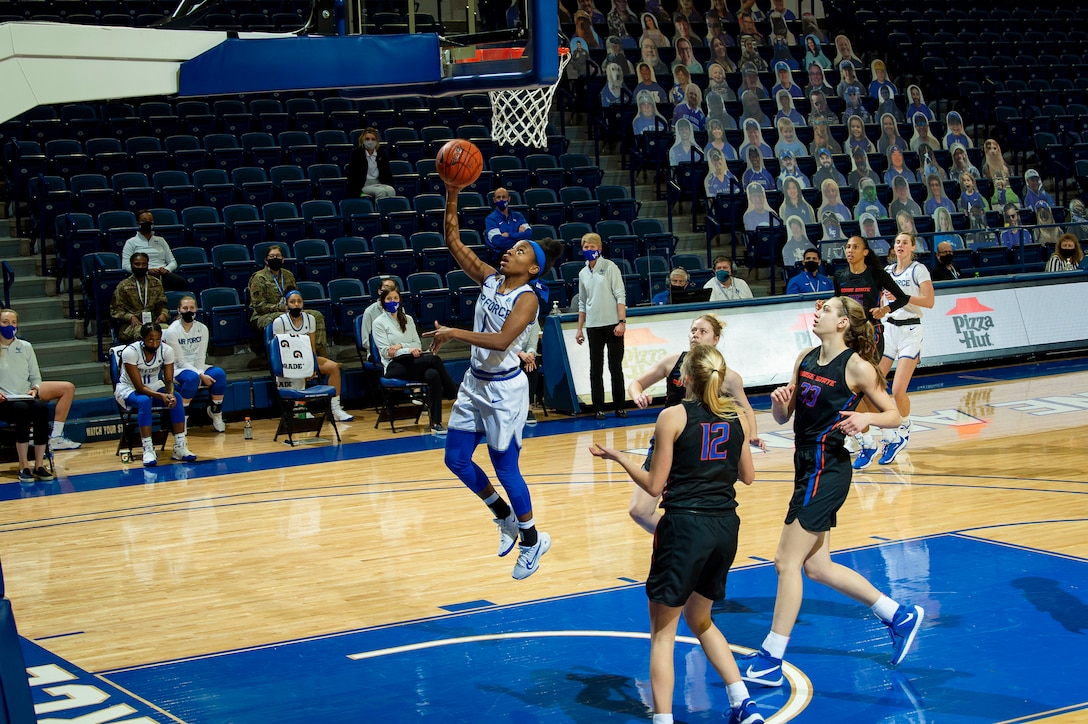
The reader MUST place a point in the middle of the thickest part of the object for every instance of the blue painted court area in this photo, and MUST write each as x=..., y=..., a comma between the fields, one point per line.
x=993, y=613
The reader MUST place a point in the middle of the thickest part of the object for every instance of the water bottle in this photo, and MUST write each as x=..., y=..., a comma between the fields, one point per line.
x=247, y=431
x=555, y=309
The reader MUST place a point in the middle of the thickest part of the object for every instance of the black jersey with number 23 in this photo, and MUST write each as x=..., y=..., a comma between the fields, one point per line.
x=822, y=393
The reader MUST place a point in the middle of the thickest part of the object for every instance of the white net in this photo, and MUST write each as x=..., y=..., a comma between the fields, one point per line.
x=520, y=116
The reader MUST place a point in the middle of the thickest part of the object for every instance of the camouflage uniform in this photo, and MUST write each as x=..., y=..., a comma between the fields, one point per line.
x=267, y=302
x=126, y=304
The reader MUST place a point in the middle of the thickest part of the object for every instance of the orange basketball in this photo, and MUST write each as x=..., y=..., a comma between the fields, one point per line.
x=459, y=162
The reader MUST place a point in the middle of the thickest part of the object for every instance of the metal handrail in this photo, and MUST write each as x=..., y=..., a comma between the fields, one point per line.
x=9, y=280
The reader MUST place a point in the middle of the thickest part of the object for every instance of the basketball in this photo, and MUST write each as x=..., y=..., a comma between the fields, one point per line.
x=459, y=162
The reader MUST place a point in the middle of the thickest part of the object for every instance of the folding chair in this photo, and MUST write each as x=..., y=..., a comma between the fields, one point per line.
x=290, y=370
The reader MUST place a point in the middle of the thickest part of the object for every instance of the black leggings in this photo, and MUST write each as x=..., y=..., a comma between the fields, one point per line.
x=24, y=415
x=425, y=368
x=601, y=338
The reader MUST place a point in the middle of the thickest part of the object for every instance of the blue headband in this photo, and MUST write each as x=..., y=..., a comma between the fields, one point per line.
x=540, y=288
x=541, y=259
x=289, y=293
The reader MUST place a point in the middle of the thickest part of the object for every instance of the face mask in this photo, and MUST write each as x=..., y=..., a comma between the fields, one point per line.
x=146, y=226
x=188, y=316
x=722, y=275
x=591, y=254
x=295, y=312
x=139, y=273
x=501, y=204
x=1065, y=253
x=275, y=263
x=370, y=145
x=8, y=332
x=812, y=266
x=391, y=307
x=678, y=287
x=945, y=259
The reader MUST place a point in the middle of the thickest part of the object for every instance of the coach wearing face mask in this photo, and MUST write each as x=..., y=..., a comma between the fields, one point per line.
x=505, y=227
x=810, y=280
x=725, y=287
x=602, y=314
x=138, y=300
x=161, y=262
x=369, y=172
x=268, y=290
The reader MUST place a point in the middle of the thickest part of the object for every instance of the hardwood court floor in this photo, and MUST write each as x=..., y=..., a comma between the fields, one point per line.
x=236, y=556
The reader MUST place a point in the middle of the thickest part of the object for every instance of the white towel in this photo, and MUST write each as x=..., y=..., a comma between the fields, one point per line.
x=297, y=359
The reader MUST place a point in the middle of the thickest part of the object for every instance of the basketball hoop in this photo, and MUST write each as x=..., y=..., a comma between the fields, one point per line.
x=520, y=116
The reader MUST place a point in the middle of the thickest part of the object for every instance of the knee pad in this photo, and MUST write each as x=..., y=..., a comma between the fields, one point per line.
x=187, y=383
x=219, y=387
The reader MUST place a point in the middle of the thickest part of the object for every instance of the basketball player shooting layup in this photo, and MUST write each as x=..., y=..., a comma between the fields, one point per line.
x=493, y=399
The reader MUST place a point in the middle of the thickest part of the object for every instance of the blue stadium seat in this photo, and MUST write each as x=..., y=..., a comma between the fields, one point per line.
x=226, y=316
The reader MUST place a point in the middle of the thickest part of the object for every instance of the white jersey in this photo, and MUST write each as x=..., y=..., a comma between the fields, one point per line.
x=190, y=348
x=910, y=281
x=492, y=310
x=285, y=324
x=149, y=371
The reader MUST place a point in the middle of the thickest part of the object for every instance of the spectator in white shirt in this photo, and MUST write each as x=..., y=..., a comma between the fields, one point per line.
x=724, y=286
x=189, y=340
x=397, y=342
x=21, y=405
x=18, y=375
x=373, y=312
x=602, y=311
x=161, y=263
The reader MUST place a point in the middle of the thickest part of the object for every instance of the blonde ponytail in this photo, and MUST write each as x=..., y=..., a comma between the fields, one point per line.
x=704, y=371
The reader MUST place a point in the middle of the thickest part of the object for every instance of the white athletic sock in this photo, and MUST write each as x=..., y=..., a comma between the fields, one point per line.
x=526, y=524
x=179, y=439
x=905, y=424
x=885, y=608
x=491, y=498
x=147, y=442
x=58, y=428
x=775, y=644
x=336, y=402
x=888, y=435
x=738, y=692
x=867, y=440
x=662, y=718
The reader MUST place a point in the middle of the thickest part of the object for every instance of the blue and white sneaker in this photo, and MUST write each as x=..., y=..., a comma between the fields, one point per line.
x=529, y=557
x=865, y=456
x=903, y=628
x=746, y=713
x=761, y=668
x=891, y=449
x=508, y=534
x=183, y=453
